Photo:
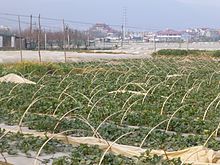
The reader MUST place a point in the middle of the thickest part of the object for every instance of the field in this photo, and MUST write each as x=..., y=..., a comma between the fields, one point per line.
x=72, y=56
x=164, y=104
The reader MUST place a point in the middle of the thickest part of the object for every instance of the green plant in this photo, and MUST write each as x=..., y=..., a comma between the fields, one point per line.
x=216, y=53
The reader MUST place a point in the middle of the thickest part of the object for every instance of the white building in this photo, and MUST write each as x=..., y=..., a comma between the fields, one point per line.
x=7, y=39
x=168, y=35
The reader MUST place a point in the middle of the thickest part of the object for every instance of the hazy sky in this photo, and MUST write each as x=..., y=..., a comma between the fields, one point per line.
x=150, y=14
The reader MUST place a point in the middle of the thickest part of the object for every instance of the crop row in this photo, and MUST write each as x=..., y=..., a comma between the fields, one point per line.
x=115, y=98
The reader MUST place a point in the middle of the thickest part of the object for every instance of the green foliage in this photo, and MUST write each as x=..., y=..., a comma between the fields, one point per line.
x=156, y=160
x=216, y=53
x=172, y=52
x=15, y=143
x=84, y=155
x=182, y=53
x=87, y=86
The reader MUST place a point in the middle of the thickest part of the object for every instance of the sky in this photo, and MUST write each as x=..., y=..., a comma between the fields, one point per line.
x=146, y=14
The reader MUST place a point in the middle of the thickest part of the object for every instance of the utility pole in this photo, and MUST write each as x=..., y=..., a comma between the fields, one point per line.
x=104, y=44
x=30, y=33
x=39, y=33
x=122, y=36
x=45, y=40
x=180, y=44
x=88, y=40
x=123, y=27
x=20, y=39
x=124, y=22
x=68, y=39
x=187, y=43
x=64, y=40
x=155, y=44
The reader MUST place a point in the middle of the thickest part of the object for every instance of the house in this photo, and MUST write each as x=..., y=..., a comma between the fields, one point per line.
x=8, y=40
x=168, y=35
x=101, y=30
x=203, y=34
x=212, y=35
x=187, y=36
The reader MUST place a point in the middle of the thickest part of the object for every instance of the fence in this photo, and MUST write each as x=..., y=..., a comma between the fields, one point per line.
x=42, y=33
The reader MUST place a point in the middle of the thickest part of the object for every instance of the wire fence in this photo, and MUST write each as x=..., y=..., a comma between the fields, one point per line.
x=39, y=33
x=37, y=30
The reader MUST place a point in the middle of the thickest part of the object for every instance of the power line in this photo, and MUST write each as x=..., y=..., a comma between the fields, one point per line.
x=27, y=23
x=47, y=18
x=71, y=21
x=13, y=20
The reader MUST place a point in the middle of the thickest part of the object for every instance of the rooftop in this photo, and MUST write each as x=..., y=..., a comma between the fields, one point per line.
x=169, y=32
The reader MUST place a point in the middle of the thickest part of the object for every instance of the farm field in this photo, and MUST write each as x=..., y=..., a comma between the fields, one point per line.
x=72, y=56
x=165, y=104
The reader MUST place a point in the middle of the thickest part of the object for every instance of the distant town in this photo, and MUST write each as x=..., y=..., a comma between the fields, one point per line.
x=98, y=35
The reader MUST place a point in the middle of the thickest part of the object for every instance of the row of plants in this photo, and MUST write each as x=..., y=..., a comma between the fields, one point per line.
x=16, y=143
x=181, y=52
x=117, y=98
x=83, y=154
x=146, y=106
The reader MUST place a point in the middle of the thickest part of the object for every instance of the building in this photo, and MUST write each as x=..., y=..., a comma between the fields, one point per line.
x=8, y=40
x=212, y=35
x=101, y=30
x=168, y=35
x=203, y=34
x=136, y=36
x=187, y=36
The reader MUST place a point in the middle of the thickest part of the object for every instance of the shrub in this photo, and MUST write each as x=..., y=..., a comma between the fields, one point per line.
x=178, y=52
x=170, y=52
x=216, y=53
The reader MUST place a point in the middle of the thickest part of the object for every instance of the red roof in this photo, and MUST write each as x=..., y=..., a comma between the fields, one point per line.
x=169, y=32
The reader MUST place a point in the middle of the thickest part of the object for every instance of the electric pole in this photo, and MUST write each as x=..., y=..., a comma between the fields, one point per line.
x=122, y=36
x=64, y=41
x=68, y=38
x=155, y=44
x=45, y=39
x=124, y=23
x=187, y=43
x=20, y=39
x=30, y=33
x=39, y=34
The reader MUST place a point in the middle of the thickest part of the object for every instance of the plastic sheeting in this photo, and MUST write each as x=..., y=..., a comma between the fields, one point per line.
x=4, y=163
x=13, y=78
x=195, y=155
